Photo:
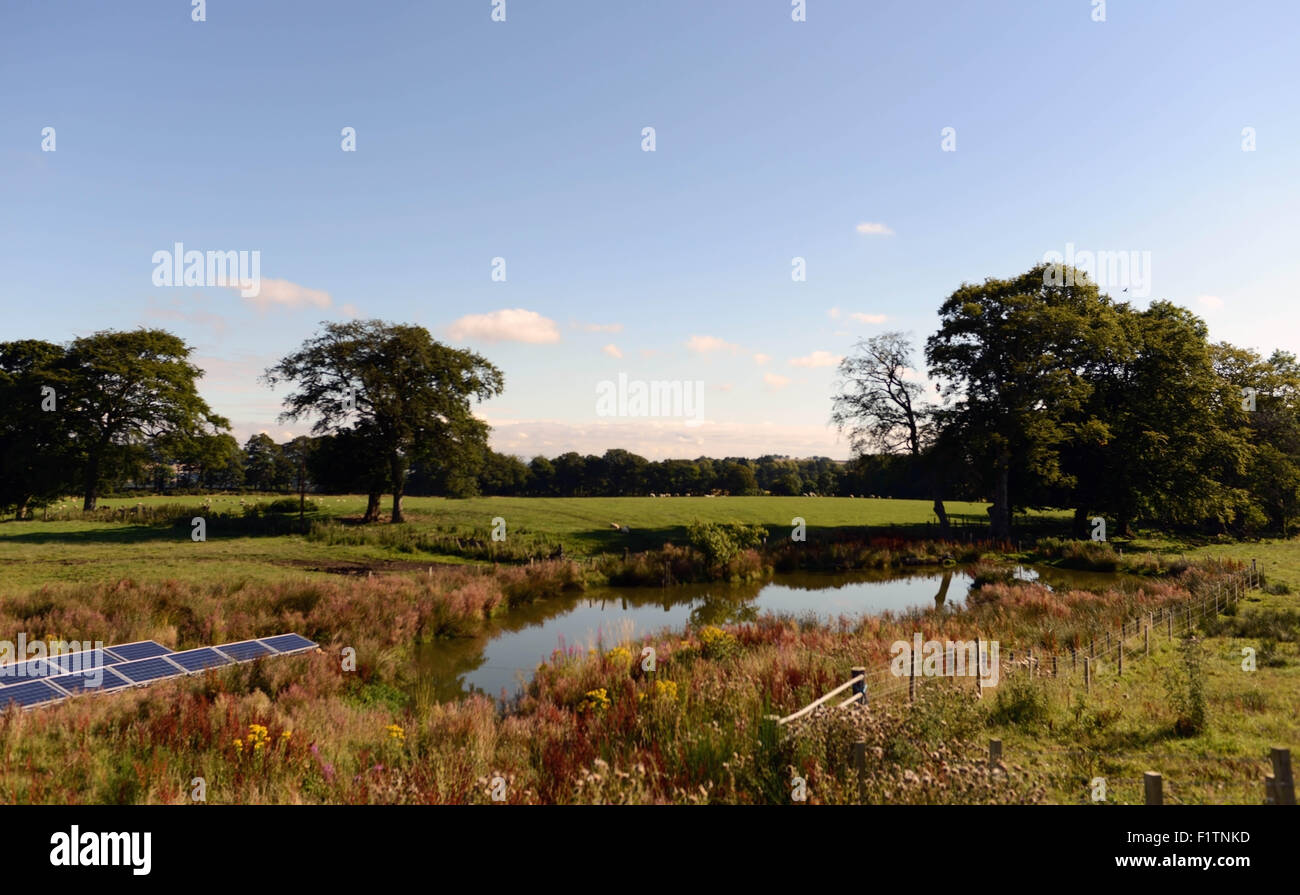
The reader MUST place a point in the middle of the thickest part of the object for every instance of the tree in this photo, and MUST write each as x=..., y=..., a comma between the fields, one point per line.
x=124, y=387
x=35, y=461
x=265, y=466
x=1013, y=359
x=412, y=393
x=883, y=410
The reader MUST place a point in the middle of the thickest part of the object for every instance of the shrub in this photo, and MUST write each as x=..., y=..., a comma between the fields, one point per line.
x=1021, y=702
x=721, y=542
x=1185, y=684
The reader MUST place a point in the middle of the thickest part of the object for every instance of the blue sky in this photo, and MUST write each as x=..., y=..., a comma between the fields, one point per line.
x=522, y=140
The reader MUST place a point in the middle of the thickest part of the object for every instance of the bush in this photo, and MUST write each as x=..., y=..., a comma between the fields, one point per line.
x=721, y=542
x=290, y=505
x=1020, y=701
x=1185, y=684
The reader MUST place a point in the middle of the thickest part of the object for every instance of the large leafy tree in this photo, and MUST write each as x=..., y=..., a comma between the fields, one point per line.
x=411, y=393
x=123, y=388
x=1014, y=358
x=35, y=456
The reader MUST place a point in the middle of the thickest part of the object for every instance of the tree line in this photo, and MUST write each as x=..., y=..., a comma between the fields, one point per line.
x=1044, y=392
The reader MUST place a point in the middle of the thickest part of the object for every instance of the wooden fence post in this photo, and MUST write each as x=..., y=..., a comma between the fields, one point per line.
x=1053, y=664
x=995, y=752
x=860, y=686
x=979, y=681
x=1151, y=782
x=1283, y=783
x=1087, y=674
x=860, y=765
x=1121, y=658
x=1031, y=662
x=1074, y=660
x=1147, y=635
x=1270, y=789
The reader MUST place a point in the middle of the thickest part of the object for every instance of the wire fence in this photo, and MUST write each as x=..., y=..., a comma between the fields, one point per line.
x=1106, y=650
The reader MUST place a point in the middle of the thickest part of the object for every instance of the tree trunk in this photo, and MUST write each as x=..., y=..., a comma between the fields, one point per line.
x=91, y=490
x=1000, y=521
x=399, y=485
x=1079, y=528
x=372, y=506
x=942, y=513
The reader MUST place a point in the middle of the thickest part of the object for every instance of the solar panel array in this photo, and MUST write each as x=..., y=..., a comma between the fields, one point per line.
x=41, y=682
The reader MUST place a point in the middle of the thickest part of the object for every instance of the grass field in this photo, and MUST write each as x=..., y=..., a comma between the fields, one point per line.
x=82, y=549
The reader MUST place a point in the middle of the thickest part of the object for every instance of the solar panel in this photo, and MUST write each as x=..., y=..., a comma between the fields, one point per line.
x=84, y=661
x=245, y=650
x=199, y=659
x=288, y=643
x=146, y=670
x=28, y=694
x=44, y=681
x=32, y=669
x=100, y=680
x=141, y=649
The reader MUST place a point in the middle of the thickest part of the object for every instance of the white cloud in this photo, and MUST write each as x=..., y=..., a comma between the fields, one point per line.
x=350, y=310
x=603, y=327
x=816, y=359
x=506, y=325
x=612, y=350
x=761, y=358
x=870, y=228
x=710, y=344
x=833, y=313
x=283, y=294
x=775, y=381
x=1210, y=302
x=869, y=318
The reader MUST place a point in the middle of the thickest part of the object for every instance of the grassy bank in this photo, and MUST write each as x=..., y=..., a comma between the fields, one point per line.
x=594, y=727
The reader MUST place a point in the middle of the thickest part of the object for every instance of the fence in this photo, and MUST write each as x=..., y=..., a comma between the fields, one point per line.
x=883, y=683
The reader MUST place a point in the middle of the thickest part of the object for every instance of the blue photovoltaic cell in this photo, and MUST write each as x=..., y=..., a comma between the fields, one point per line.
x=30, y=693
x=99, y=680
x=144, y=649
x=245, y=650
x=288, y=643
x=199, y=659
x=147, y=670
x=86, y=660
x=33, y=669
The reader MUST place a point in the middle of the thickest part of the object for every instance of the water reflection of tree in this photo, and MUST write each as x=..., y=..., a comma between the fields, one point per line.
x=716, y=610
x=942, y=595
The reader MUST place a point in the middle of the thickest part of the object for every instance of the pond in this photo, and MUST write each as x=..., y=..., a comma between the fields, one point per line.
x=505, y=654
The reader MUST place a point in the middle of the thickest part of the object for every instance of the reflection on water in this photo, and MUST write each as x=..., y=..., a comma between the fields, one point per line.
x=506, y=652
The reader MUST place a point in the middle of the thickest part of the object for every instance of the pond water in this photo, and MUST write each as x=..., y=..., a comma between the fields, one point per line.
x=505, y=654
